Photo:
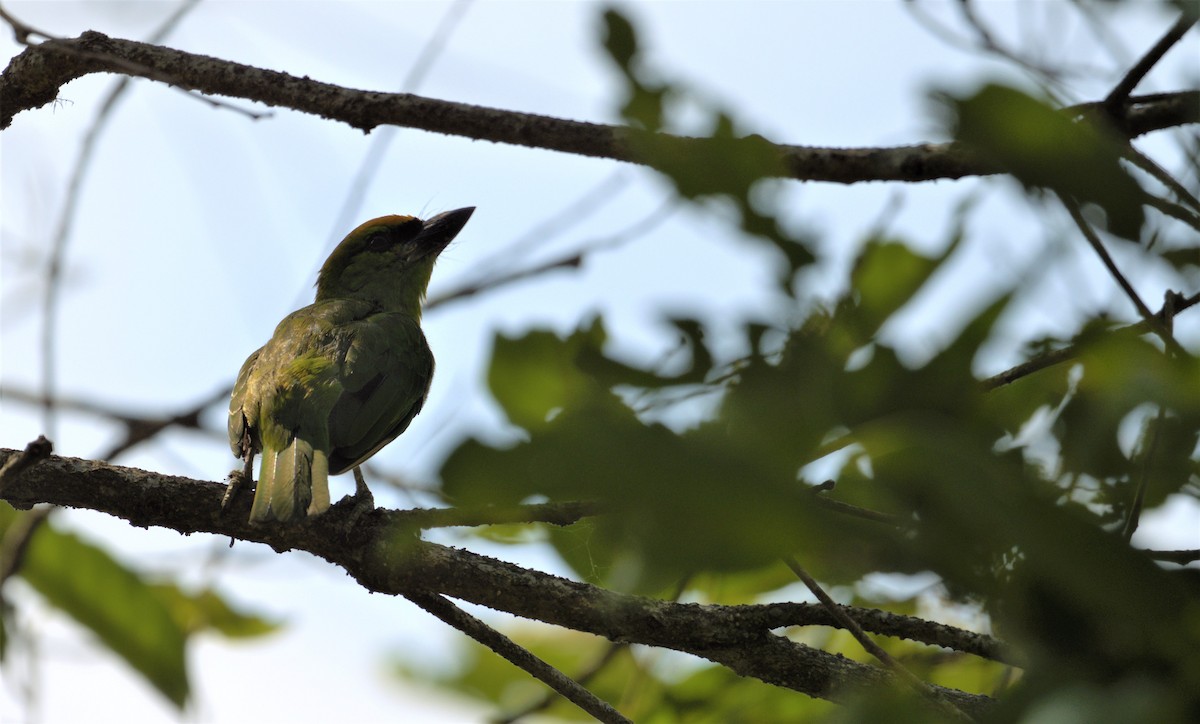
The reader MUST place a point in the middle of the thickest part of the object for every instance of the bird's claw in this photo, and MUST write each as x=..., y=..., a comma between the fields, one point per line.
x=237, y=483
x=362, y=494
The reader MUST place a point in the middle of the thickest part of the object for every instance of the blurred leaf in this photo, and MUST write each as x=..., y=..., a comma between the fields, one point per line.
x=535, y=375
x=886, y=275
x=1170, y=445
x=127, y=614
x=208, y=610
x=1181, y=259
x=645, y=99
x=1056, y=596
x=610, y=372
x=1043, y=147
x=700, y=693
x=146, y=624
x=1121, y=373
x=1014, y=404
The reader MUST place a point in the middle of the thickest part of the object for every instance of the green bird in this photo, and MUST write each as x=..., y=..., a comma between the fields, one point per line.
x=342, y=377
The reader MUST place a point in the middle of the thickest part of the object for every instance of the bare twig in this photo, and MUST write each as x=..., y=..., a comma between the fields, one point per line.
x=563, y=219
x=1139, y=70
x=1148, y=165
x=1037, y=364
x=443, y=609
x=138, y=428
x=1174, y=304
x=558, y=513
x=21, y=31
x=16, y=538
x=66, y=218
x=600, y=664
x=1174, y=210
x=19, y=533
x=1139, y=496
x=572, y=260
x=377, y=149
x=850, y=509
x=989, y=43
x=1182, y=557
x=1155, y=324
x=873, y=648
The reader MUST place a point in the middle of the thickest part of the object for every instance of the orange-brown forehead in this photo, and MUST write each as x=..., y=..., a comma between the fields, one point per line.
x=382, y=222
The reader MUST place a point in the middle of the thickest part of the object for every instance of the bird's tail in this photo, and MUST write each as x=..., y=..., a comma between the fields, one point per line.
x=292, y=483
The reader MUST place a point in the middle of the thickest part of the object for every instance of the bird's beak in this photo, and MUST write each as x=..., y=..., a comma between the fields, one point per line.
x=438, y=231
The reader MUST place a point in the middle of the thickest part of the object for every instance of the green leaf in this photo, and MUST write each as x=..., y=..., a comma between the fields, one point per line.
x=125, y=612
x=1044, y=148
x=535, y=375
x=886, y=276
x=611, y=372
x=209, y=611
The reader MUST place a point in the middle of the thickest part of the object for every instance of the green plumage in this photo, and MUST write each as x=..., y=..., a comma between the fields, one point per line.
x=342, y=377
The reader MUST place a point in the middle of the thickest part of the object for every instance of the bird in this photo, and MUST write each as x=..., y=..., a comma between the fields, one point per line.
x=344, y=376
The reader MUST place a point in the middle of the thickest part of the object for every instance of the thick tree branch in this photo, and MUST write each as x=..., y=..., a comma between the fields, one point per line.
x=36, y=76
x=386, y=556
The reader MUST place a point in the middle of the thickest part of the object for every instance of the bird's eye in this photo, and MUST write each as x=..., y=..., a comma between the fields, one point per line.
x=378, y=241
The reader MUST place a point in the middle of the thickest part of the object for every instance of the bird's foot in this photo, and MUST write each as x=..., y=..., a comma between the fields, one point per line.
x=237, y=483
x=362, y=501
x=362, y=494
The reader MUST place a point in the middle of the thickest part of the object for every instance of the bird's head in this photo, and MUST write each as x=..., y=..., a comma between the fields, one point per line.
x=389, y=260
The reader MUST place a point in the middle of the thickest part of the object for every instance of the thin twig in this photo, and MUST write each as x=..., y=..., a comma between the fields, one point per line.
x=1174, y=210
x=1182, y=557
x=1175, y=304
x=606, y=657
x=1139, y=496
x=988, y=42
x=21, y=30
x=873, y=648
x=1139, y=70
x=571, y=261
x=849, y=508
x=66, y=218
x=557, y=513
x=563, y=219
x=377, y=148
x=138, y=429
x=15, y=541
x=454, y=616
x=1037, y=364
x=640, y=227
x=600, y=664
x=1148, y=165
x=1149, y=317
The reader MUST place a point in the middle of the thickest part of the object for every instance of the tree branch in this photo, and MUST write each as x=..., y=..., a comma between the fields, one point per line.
x=386, y=556
x=1147, y=61
x=35, y=77
x=504, y=646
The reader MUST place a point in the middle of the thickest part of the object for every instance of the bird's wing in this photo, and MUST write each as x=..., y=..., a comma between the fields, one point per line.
x=385, y=371
x=239, y=417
